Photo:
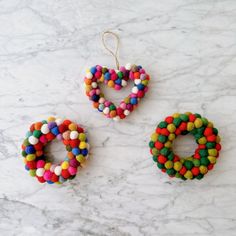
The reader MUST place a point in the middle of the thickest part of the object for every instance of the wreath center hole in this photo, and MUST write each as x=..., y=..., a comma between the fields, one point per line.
x=116, y=96
x=55, y=151
x=184, y=145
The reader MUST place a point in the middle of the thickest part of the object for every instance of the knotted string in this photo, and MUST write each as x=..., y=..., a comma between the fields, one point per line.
x=115, y=53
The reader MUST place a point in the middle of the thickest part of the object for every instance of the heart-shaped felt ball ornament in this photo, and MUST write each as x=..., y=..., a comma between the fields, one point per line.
x=116, y=79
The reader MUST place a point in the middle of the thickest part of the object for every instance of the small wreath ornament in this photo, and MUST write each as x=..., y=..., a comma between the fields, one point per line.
x=204, y=157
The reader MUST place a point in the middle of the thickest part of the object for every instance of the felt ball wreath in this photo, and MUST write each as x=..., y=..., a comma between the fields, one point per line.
x=116, y=79
x=204, y=157
x=42, y=133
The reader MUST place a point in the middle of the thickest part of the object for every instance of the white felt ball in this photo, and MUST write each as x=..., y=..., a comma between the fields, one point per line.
x=137, y=81
x=117, y=118
x=33, y=140
x=58, y=121
x=135, y=90
x=101, y=100
x=44, y=129
x=40, y=172
x=89, y=75
x=94, y=85
x=126, y=112
x=123, y=83
x=57, y=170
x=74, y=134
x=128, y=66
x=106, y=110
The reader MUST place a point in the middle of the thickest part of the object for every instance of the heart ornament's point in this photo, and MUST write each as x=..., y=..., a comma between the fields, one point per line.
x=116, y=79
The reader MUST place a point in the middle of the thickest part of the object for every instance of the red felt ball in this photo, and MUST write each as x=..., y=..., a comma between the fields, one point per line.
x=208, y=131
x=210, y=166
x=218, y=147
x=41, y=179
x=162, y=159
x=201, y=146
x=183, y=170
x=31, y=165
x=32, y=128
x=197, y=156
x=158, y=130
x=195, y=171
x=50, y=136
x=62, y=128
x=65, y=174
x=183, y=126
x=176, y=158
x=66, y=142
x=140, y=94
x=211, y=138
x=74, y=143
x=169, y=119
x=38, y=146
x=192, y=118
x=54, y=178
x=159, y=145
x=119, y=111
x=177, y=131
x=80, y=130
x=165, y=132
x=66, y=122
x=122, y=116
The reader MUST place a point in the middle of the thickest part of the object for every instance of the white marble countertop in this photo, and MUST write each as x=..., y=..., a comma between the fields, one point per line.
x=189, y=49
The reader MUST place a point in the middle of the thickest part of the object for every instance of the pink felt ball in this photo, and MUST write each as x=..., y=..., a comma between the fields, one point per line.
x=123, y=105
x=43, y=139
x=114, y=76
x=47, y=175
x=98, y=74
x=40, y=164
x=73, y=162
x=117, y=87
x=72, y=170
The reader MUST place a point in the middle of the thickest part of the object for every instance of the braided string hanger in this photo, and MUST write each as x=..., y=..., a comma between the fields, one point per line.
x=113, y=53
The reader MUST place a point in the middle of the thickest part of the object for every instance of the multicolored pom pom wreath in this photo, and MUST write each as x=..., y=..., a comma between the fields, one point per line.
x=39, y=135
x=116, y=79
x=204, y=157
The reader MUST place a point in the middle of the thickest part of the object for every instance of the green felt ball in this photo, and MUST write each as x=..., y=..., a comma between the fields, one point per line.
x=171, y=156
x=188, y=164
x=37, y=133
x=32, y=172
x=104, y=70
x=23, y=153
x=154, y=158
x=204, y=121
x=200, y=176
x=201, y=130
x=210, y=145
x=215, y=131
x=197, y=115
x=112, y=107
x=165, y=151
x=196, y=162
x=162, y=138
x=162, y=124
x=203, y=153
x=204, y=161
x=170, y=171
x=120, y=74
x=68, y=148
x=184, y=117
x=26, y=142
x=160, y=166
x=151, y=144
x=177, y=121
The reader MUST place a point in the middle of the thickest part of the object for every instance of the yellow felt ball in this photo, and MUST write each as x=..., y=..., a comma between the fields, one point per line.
x=190, y=126
x=51, y=119
x=188, y=174
x=65, y=165
x=176, y=115
x=178, y=165
x=80, y=158
x=47, y=166
x=171, y=128
x=87, y=70
x=24, y=160
x=212, y=159
x=82, y=145
x=168, y=144
x=30, y=157
x=145, y=82
x=189, y=158
x=168, y=164
x=202, y=140
x=88, y=88
x=203, y=169
x=101, y=78
x=210, y=124
x=188, y=113
x=218, y=139
x=198, y=123
x=82, y=136
x=171, y=137
x=110, y=83
x=72, y=127
x=154, y=137
x=212, y=152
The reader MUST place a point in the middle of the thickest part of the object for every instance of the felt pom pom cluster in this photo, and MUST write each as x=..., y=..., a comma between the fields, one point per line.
x=39, y=135
x=116, y=79
x=204, y=157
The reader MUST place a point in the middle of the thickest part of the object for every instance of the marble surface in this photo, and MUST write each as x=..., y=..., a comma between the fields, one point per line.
x=189, y=49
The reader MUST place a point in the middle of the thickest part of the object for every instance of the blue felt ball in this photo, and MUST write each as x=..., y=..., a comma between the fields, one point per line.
x=75, y=151
x=55, y=131
x=107, y=76
x=93, y=70
x=30, y=149
x=84, y=152
x=133, y=101
x=95, y=97
x=140, y=87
